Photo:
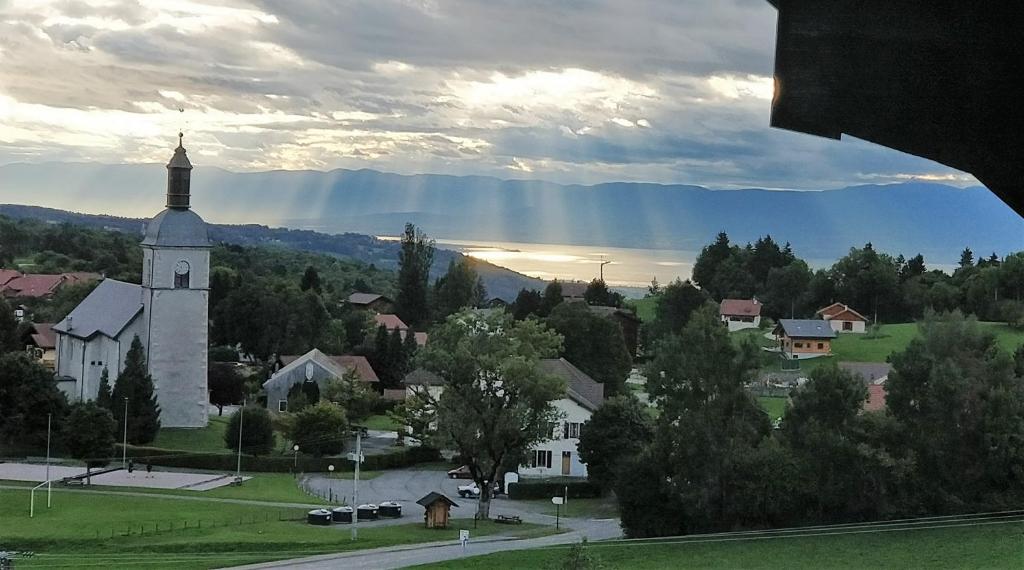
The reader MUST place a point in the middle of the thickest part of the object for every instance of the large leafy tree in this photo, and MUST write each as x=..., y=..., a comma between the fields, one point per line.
x=320, y=429
x=527, y=303
x=458, y=289
x=786, y=290
x=136, y=385
x=594, y=344
x=868, y=281
x=496, y=403
x=104, y=397
x=674, y=306
x=28, y=393
x=711, y=257
x=614, y=434
x=89, y=434
x=353, y=395
x=414, y=261
x=10, y=337
x=598, y=293
x=226, y=385
x=552, y=298
x=310, y=280
x=955, y=394
x=708, y=425
x=257, y=430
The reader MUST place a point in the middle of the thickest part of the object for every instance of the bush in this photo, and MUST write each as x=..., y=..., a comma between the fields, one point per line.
x=278, y=463
x=223, y=354
x=320, y=429
x=257, y=431
x=528, y=489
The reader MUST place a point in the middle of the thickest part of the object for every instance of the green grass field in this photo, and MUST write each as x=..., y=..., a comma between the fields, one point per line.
x=776, y=407
x=108, y=531
x=991, y=547
x=209, y=439
x=381, y=422
x=644, y=308
x=599, y=508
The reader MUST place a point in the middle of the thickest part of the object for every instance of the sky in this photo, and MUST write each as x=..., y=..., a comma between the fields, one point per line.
x=572, y=91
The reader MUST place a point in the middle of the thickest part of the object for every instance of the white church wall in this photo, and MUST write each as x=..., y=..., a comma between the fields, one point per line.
x=165, y=259
x=177, y=354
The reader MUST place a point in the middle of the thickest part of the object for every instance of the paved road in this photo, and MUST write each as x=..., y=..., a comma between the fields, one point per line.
x=411, y=555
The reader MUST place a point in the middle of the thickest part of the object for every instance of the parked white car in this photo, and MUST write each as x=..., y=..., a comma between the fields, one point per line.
x=472, y=490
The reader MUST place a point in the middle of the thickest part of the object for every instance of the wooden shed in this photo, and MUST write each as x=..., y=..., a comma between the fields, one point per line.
x=437, y=509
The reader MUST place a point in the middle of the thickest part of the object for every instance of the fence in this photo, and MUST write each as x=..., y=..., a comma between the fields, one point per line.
x=152, y=528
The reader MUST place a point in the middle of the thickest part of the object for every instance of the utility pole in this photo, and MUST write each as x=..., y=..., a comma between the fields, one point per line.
x=603, y=263
x=49, y=486
x=355, y=484
x=241, y=420
x=124, y=445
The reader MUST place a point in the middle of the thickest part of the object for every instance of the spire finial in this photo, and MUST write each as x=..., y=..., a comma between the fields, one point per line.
x=180, y=136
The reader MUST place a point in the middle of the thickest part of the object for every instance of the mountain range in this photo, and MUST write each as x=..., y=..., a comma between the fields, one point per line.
x=914, y=217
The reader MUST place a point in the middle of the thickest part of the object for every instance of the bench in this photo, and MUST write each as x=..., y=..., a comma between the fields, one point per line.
x=504, y=519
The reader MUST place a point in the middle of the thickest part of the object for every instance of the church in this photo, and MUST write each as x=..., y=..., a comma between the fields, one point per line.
x=168, y=312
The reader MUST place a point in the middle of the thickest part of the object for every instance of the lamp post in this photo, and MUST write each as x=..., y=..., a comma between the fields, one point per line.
x=241, y=420
x=355, y=483
x=49, y=486
x=330, y=469
x=124, y=445
x=295, y=448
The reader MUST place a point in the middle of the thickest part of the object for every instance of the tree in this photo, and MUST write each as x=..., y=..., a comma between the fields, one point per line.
x=28, y=393
x=961, y=409
x=399, y=359
x=310, y=280
x=654, y=289
x=786, y=290
x=353, y=395
x=88, y=434
x=104, y=398
x=551, y=299
x=414, y=261
x=1018, y=361
x=458, y=289
x=597, y=293
x=528, y=302
x=966, y=258
x=708, y=425
x=614, y=434
x=579, y=557
x=711, y=256
x=226, y=385
x=257, y=430
x=320, y=429
x=674, y=306
x=592, y=343
x=136, y=385
x=495, y=403
x=10, y=337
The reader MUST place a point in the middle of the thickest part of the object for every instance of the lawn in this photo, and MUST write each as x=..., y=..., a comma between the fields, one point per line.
x=599, y=508
x=992, y=546
x=93, y=530
x=208, y=439
x=644, y=308
x=776, y=407
x=381, y=422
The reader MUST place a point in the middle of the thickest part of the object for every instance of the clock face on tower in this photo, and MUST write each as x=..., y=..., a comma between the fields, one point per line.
x=181, y=268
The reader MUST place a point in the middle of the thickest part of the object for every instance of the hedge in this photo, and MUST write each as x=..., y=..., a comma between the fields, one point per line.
x=527, y=489
x=277, y=463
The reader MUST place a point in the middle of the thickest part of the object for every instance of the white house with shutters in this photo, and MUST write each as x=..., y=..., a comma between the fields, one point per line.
x=560, y=454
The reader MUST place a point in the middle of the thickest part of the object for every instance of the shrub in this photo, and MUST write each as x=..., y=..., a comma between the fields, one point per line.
x=257, y=431
x=320, y=429
x=223, y=354
x=528, y=489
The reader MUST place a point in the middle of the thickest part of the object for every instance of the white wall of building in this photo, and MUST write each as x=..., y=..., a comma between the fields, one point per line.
x=565, y=456
x=737, y=323
x=855, y=326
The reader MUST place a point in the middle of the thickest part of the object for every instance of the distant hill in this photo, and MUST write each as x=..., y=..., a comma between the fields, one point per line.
x=500, y=282
x=933, y=219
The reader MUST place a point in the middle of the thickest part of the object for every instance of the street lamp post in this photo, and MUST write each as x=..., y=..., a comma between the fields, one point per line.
x=355, y=483
x=295, y=468
x=124, y=445
x=49, y=486
x=241, y=420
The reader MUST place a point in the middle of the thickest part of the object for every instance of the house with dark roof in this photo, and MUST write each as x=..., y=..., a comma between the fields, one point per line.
x=314, y=366
x=843, y=319
x=558, y=455
x=371, y=302
x=804, y=338
x=739, y=314
x=41, y=343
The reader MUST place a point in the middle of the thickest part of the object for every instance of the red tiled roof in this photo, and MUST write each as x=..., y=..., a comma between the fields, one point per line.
x=876, y=398
x=391, y=322
x=840, y=312
x=6, y=275
x=740, y=307
x=41, y=285
x=360, y=364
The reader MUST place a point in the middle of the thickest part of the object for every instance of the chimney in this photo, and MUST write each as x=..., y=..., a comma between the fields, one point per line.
x=70, y=325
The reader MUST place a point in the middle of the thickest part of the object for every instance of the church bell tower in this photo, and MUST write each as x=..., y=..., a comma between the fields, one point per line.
x=175, y=296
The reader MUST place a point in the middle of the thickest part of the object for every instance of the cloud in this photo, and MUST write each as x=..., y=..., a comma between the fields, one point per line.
x=572, y=91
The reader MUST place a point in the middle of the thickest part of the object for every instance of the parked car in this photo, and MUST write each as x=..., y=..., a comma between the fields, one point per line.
x=472, y=490
x=460, y=473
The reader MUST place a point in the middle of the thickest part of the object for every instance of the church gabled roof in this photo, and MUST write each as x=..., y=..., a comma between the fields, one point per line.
x=110, y=307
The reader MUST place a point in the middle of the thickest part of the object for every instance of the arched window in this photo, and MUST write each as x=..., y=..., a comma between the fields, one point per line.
x=181, y=275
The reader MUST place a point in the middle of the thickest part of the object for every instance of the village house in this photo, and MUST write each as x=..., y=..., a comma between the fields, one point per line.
x=393, y=322
x=560, y=454
x=573, y=290
x=874, y=376
x=843, y=319
x=314, y=366
x=17, y=285
x=41, y=344
x=804, y=338
x=371, y=302
x=739, y=314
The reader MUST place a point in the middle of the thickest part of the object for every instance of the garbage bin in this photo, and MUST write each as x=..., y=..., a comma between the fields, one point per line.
x=367, y=512
x=341, y=514
x=320, y=517
x=390, y=509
